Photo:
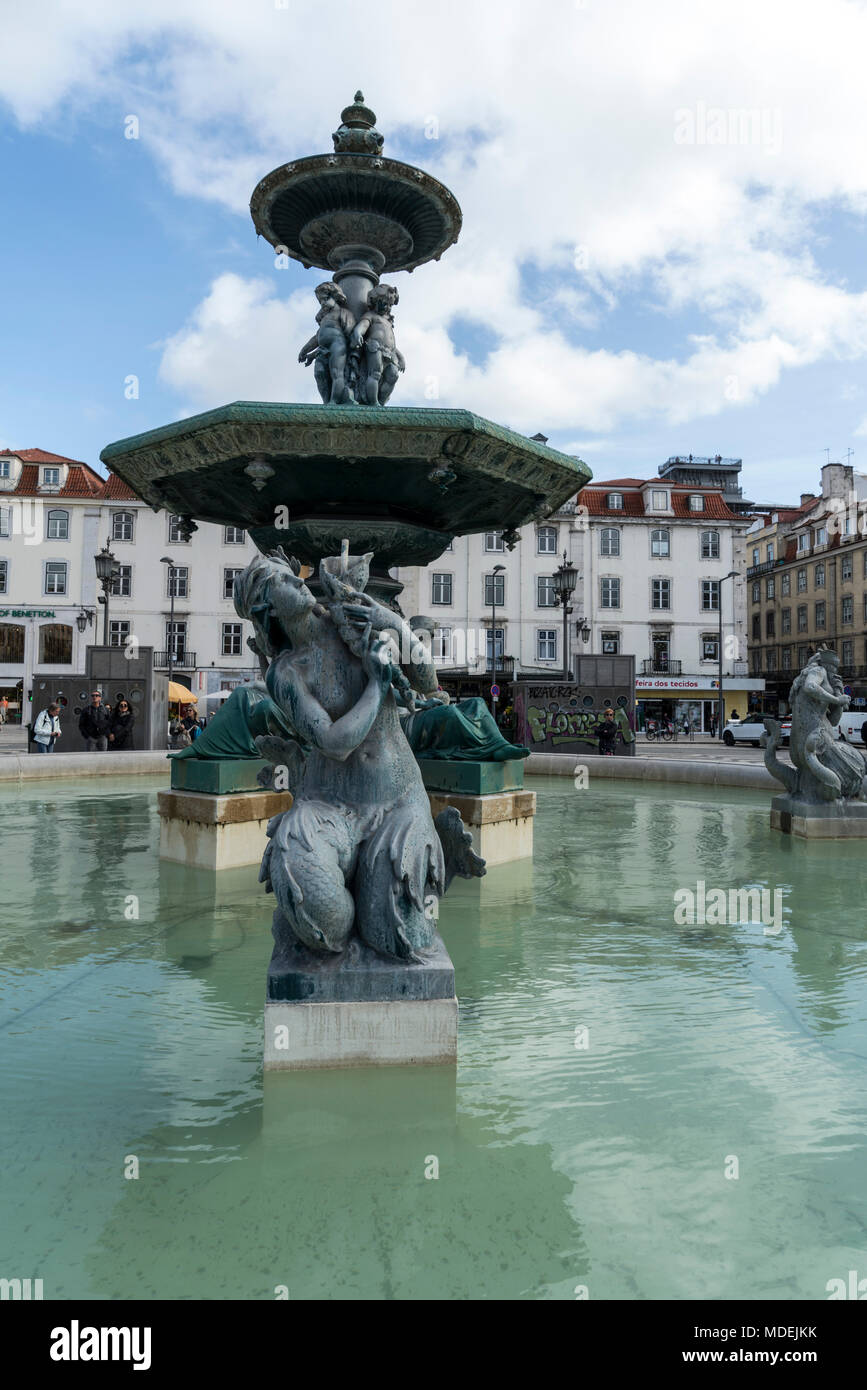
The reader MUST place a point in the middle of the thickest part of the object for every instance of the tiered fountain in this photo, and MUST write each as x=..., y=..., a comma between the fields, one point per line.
x=320, y=481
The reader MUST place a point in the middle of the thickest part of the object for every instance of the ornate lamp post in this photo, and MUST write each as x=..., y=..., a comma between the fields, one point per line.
x=107, y=568
x=170, y=572
x=565, y=579
x=498, y=569
x=732, y=574
x=84, y=619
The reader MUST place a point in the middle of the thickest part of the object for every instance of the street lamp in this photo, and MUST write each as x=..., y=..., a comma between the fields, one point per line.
x=84, y=619
x=565, y=578
x=582, y=627
x=498, y=569
x=170, y=572
x=107, y=568
x=732, y=574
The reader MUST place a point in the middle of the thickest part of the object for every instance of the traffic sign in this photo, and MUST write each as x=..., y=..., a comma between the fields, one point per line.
x=495, y=692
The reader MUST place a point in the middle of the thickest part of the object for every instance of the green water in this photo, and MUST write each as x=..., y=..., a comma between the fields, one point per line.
x=559, y=1166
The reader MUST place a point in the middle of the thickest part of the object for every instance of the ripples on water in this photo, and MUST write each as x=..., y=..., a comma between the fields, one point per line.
x=566, y=1157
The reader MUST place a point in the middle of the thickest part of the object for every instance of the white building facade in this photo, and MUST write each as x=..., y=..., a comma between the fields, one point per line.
x=56, y=514
x=652, y=559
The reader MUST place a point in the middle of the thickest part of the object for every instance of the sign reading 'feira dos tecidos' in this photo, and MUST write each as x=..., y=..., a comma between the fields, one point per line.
x=27, y=613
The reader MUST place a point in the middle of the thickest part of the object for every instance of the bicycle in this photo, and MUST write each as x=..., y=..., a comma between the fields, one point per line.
x=654, y=731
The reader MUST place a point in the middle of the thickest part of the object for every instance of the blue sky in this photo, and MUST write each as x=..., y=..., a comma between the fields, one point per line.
x=628, y=296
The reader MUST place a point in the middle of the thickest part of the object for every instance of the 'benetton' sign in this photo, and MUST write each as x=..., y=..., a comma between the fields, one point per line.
x=27, y=613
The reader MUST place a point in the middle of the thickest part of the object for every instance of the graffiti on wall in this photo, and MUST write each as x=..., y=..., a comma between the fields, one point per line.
x=553, y=716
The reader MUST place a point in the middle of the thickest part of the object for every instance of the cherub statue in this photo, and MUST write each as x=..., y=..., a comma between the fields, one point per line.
x=328, y=348
x=373, y=336
x=358, y=851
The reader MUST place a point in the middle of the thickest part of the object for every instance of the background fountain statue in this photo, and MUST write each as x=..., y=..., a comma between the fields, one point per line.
x=826, y=782
x=328, y=349
x=358, y=853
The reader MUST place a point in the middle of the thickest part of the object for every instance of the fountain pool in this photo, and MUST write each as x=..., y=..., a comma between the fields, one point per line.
x=130, y=1028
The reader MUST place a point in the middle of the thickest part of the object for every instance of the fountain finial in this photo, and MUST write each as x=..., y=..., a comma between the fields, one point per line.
x=357, y=133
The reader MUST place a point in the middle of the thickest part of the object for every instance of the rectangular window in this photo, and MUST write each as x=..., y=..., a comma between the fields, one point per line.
x=710, y=545
x=609, y=541
x=500, y=636
x=229, y=577
x=122, y=526
x=55, y=576
x=546, y=540
x=118, y=632
x=756, y=554
x=770, y=625
x=5, y=468
x=121, y=584
x=660, y=593
x=787, y=658
x=710, y=647
x=175, y=536
x=660, y=544
x=820, y=614
x=696, y=503
x=769, y=588
x=769, y=552
x=546, y=644
x=232, y=639
x=821, y=535
x=57, y=528
x=802, y=617
x=846, y=568
x=819, y=576
x=177, y=581
x=710, y=595
x=4, y=576
x=771, y=660
x=233, y=535
x=611, y=644
x=6, y=523
x=786, y=625
x=545, y=596
x=848, y=651
x=786, y=585
x=51, y=477
x=757, y=627
x=614, y=501
x=802, y=581
x=176, y=640
x=442, y=644
x=441, y=588
x=802, y=657
x=495, y=590
x=660, y=501
x=609, y=593
x=757, y=591
x=493, y=541
x=847, y=612
x=803, y=542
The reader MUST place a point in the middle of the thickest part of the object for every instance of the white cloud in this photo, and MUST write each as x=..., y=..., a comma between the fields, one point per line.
x=554, y=135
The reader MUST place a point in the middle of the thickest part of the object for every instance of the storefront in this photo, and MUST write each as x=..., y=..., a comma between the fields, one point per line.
x=33, y=638
x=692, y=702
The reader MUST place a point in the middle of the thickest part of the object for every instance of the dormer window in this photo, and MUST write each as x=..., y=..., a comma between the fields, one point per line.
x=821, y=535
x=614, y=501
x=51, y=477
x=696, y=502
x=660, y=501
x=10, y=473
x=5, y=468
x=803, y=542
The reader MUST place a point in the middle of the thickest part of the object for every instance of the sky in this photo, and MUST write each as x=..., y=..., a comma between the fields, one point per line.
x=664, y=217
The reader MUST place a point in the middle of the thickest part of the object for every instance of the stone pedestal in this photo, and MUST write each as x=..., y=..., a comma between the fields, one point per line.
x=501, y=824
x=467, y=778
x=207, y=830
x=819, y=820
x=359, y=1009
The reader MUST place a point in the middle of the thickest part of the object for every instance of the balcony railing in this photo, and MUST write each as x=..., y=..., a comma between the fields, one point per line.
x=505, y=666
x=181, y=661
x=764, y=568
x=658, y=666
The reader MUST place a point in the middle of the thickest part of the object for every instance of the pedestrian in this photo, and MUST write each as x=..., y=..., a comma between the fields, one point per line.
x=713, y=722
x=46, y=730
x=191, y=723
x=606, y=732
x=4, y=710
x=121, y=726
x=93, y=724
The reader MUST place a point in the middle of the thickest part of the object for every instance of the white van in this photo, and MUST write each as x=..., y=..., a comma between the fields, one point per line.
x=853, y=726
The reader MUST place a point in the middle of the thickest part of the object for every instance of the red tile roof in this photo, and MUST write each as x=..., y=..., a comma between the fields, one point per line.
x=117, y=490
x=37, y=456
x=594, y=497
x=81, y=481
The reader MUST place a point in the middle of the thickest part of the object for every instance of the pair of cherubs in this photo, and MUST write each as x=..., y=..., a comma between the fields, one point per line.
x=354, y=362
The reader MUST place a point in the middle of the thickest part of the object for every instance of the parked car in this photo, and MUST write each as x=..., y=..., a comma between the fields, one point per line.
x=752, y=730
x=853, y=726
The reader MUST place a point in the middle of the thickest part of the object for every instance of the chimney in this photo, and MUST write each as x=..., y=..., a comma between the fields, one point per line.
x=807, y=497
x=836, y=479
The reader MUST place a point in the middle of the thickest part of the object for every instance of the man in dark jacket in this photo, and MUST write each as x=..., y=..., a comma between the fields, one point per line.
x=606, y=731
x=93, y=724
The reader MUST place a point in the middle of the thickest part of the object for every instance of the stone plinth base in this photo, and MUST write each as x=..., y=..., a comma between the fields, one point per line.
x=208, y=831
x=219, y=776
x=501, y=824
x=825, y=820
x=359, y=1008
x=471, y=778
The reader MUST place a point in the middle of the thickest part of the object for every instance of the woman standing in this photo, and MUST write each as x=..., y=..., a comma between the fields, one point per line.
x=121, y=726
